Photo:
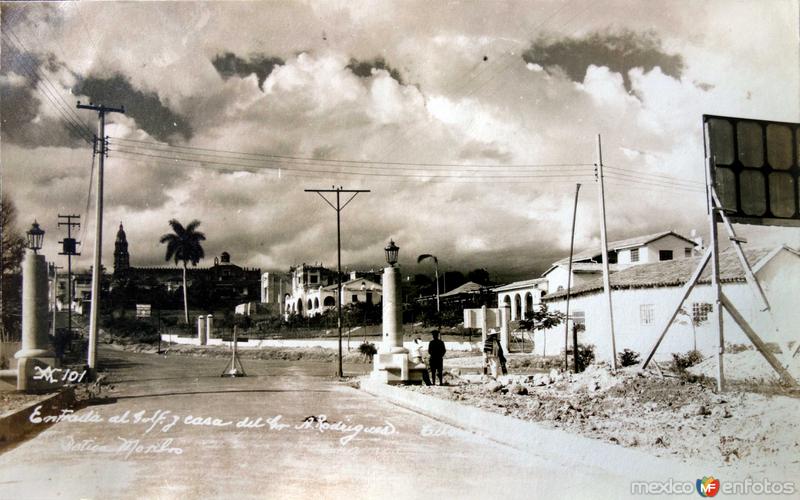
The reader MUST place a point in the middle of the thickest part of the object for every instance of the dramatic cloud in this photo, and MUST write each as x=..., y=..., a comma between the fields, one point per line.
x=364, y=68
x=32, y=101
x=229, y=64
x=303, y=81
x=620, y=52
x=145, y=107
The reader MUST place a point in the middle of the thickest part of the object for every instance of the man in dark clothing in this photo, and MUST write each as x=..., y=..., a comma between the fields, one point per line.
x=436, y=351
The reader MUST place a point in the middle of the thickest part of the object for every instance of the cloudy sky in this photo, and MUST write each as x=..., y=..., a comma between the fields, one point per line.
x=470, y=122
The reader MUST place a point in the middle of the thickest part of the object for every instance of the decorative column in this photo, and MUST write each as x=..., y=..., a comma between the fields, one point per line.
x=201, y=330
x=392, y=341
x=391, y=364
x=36, y=349
x=505, y=315
x=209, y=325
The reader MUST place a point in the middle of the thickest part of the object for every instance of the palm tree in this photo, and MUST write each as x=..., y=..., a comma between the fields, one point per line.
x=184, y=245
x=436, y=270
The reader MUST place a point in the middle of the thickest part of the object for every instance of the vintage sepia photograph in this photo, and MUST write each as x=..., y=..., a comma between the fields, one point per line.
x=390, y=249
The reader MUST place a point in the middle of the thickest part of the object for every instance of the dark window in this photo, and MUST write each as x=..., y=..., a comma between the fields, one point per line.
x=647, y=314
x=700, y=311
x=354, y=298
x=665, y=255
x=687, y=252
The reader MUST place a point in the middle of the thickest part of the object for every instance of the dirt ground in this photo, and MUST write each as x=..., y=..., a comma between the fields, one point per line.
x=666, y=416
x=12, y=400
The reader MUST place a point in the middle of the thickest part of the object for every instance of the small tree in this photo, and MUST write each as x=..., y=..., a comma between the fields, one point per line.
x=541, y=319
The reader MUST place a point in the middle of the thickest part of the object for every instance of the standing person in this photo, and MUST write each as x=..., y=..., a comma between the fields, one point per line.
x=494, y=353
x=415, y=355
x=436, y=351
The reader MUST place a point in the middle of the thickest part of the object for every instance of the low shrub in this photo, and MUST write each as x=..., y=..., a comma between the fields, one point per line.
x=585, y=355
x=132, y=330
x=680, y=362
x=628, y=357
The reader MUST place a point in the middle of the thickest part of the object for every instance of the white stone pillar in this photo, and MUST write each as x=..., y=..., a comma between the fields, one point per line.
x=209, y=325
x=392, y=312
x=35, y=345
x=505, y=314
x=201, y=330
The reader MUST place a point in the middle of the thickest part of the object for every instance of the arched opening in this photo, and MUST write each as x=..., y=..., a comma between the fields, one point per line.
x=310, y=305
x=507, y=302
x=517, y=311
x=528, y=303
x=329, y=302
x=316, y=303
x=299, y=308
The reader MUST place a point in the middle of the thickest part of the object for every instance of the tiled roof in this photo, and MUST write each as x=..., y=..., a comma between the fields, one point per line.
x=669, y=273
x=468, y=287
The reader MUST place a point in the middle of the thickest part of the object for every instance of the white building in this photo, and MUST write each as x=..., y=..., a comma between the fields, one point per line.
x=313, y=290
x=644, y=296
x=273, y=290
x=587, y=265
x=521, y=296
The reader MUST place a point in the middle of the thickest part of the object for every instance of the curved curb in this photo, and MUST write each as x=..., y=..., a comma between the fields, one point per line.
x=15, y=425
x=566, y=449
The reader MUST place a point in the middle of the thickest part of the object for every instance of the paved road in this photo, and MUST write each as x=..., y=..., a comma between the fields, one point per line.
x=196, y=450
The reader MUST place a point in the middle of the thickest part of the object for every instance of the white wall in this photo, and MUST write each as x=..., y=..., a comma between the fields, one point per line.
x=780, y=278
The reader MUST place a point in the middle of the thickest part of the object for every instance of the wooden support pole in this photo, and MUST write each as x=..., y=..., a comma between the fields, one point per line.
x=757, y=342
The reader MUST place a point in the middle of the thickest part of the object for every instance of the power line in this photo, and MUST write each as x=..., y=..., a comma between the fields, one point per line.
x=654, y=181
x=52, y=96
x=274, y=165
x=654, y=176
x=42, y=76
x=160, y=147
x=665, y=180
x=280, y=172
x=654, y=184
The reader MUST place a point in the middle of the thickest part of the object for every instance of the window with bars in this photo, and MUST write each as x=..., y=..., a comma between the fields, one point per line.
x=687, y=252
x=647, y=314
x=700, y=311
x=635, y=255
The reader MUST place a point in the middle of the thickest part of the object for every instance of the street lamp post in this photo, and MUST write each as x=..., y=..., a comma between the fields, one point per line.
x=35, y=349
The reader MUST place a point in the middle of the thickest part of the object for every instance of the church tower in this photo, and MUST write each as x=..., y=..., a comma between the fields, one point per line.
x=122, y=260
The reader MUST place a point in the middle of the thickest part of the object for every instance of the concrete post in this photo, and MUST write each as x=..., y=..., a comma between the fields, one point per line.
x=392, y=312
x=391, y=364
x=505, y=314
x=35, y=343
x=201, y=330
x=209, y=325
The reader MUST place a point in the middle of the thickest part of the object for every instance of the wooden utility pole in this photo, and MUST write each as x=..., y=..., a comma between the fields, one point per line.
x=569, y=281
x=69, y=248
x=338, y=207
x=97, y=270
x=604, y=249
x=55, y=294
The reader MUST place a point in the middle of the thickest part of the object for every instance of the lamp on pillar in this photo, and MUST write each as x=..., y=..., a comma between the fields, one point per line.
x=35, y=349
x=35, y=237
x=391, y=253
